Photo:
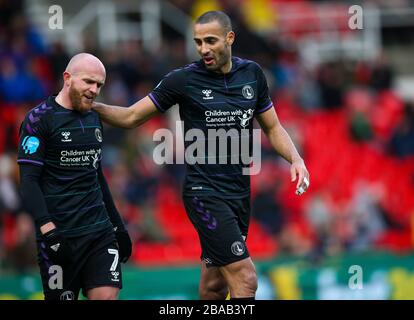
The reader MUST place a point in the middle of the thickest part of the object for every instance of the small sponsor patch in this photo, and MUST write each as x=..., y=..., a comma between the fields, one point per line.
x=114, y=276
x=30, y=144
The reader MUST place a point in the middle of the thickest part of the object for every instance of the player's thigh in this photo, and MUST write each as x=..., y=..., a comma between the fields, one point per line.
x=211, y=278
x=102, y=267
x=217, y=225
x=241, y=272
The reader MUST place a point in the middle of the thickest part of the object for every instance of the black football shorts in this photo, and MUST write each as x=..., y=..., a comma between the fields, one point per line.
x=95, y=264
x=222, y=226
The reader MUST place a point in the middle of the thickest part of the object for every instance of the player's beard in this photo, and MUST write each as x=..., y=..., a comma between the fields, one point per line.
x=77, y=100
x=221, y=59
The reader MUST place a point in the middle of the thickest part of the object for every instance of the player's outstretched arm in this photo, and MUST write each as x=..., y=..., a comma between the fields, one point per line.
x=129, y=117
x=282, y=144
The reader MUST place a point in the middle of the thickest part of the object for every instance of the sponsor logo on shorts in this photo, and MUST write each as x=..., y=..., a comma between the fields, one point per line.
x=237, y=248
x=115, y=276
x=67, y=295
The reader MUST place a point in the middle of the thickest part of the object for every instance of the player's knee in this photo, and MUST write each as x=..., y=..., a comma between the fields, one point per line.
x=104, y=296
x=247, y=281
x=109, y=294
x=251, y=281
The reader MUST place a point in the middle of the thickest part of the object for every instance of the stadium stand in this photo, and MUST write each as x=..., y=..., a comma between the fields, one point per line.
x=149, y=195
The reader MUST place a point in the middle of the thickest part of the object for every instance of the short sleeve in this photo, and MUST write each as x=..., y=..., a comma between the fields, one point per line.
x=32, y=138
x=264, y=102
x=169, y=91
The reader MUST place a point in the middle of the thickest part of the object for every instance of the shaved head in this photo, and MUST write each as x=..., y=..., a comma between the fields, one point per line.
x=83, y=62
x=83, y=78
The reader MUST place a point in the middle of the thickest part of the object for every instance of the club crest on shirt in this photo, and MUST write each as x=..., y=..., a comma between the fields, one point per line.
x=98, y=134
x=248, y=92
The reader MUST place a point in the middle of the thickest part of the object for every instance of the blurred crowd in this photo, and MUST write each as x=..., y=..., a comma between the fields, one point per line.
x=314, y=226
